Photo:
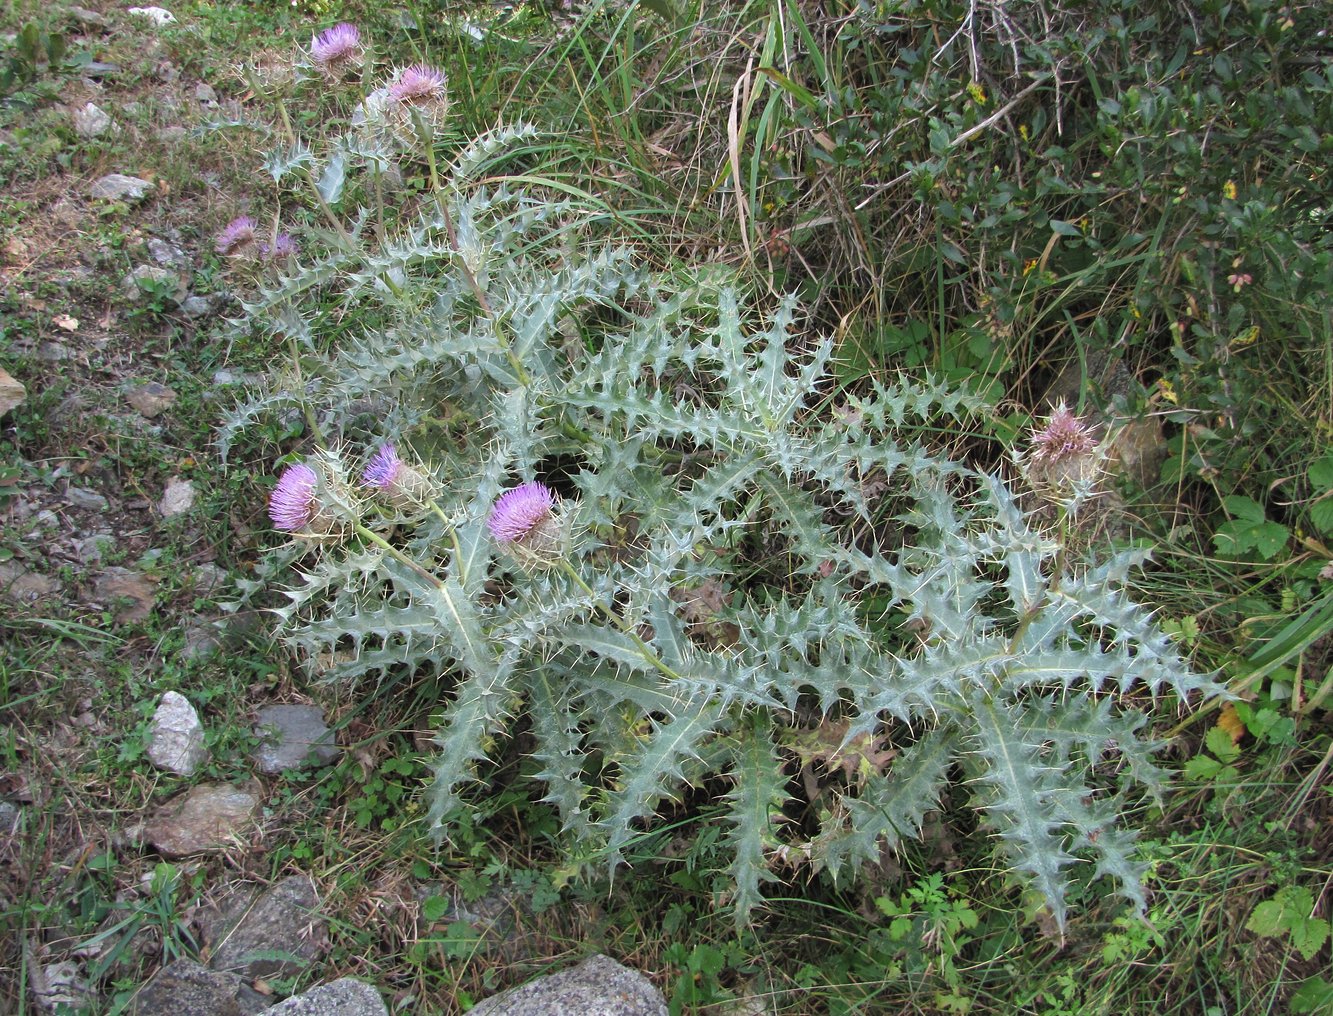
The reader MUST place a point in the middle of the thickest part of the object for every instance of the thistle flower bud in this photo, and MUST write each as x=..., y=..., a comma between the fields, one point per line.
x=414, y=100
x=283, y=246
x=526, y=523
x=405, y=486
x=314, y=502
x=1064, y=457
x=337, y=50
x=238, y=239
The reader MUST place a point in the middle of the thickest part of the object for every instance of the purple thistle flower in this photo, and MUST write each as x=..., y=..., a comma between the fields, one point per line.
x=237, y=238
x=1064, y=437
x=518, y=513
x=337, y=46
x=291, y=506
x=284, y=246
x=418, y=84
x=383, y=469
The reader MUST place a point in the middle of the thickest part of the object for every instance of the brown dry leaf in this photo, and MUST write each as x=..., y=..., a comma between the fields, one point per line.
x=69, y=324
x=1230, y=721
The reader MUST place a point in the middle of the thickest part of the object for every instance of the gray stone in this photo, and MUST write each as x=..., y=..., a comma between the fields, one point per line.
x=59, y=987
x=178, y=498
x=9, y=820
x=275, y=934
x=19, y=585
x=88, y=549
x=196, y=306
x=137, y=283
x=205, y=820
x=87, y=17
x=98, y=69
x=92, y=121
x=151, y=399
x=54, y=352
x=344, y=997
x=89, y=500
x=207, y=578
x=171, y=134
x=12, y=393
x=599, y=986
x=201, y=641
x=159, y=16
x=292, y=735
x=167, y=254
x=118, y=187
x=204, y=92
x=187, y=987
x=176, y=737
x=131, y=589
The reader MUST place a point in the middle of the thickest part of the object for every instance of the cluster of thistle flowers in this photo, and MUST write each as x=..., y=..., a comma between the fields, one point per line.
x=413, y=95
x=241, y=239
x=1064, y=458
x=316, y=503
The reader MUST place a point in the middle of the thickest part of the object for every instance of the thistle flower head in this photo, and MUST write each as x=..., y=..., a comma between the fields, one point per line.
x=1064, y=438
x=314, y=500
x=284, y=246
x=521, y=513
x=292, y=503
x=239, y=238
x=337, y=48
x=383, y=469
x=1064, y=459
x=405, y=486
x=418, y=84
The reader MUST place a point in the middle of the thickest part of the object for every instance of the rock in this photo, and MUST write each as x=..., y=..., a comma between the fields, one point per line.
x=98, y=69
x=138, y=283
x=90, y=18
x=9, y=821
x=207, y=578
x=204, y=92
x=291, y=735
x=157, y=15
x=599, y=986
x=205, y=820
x=59, y=987
x=92, y=121
x=196, y=306
x=53, y=352
x=118, y=187
x=201, y=641
x=277, y=934
x=176, y=737
x=167, y=254
x=187, y=987
x=178, y=498
x=12, y=393
x=151, y=399
x=134, y=589
x=171, y=134
x=343, y=997
x=89, y=500
x=87, y=550
x=22, y=586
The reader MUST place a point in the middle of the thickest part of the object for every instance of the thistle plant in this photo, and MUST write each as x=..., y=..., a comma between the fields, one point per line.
x=639, y=514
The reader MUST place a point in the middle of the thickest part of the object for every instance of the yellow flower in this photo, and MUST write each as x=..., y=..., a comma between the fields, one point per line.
x=1229, y=190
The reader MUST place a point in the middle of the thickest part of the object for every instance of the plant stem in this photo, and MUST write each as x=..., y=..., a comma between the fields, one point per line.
x=622, y=625
x=397, y=555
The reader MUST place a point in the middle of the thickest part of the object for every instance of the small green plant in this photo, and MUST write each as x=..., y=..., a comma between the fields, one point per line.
x=930, y=926
x=1290, y=915
x=34, y=48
